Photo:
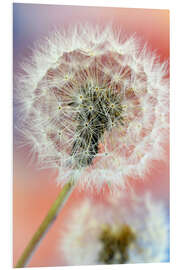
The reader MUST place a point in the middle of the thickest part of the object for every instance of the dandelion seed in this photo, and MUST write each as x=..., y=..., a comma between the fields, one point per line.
x=93, y=87
x=126, y=229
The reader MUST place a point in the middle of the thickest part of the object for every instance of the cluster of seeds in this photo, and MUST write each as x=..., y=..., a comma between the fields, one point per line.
x=93, y=104
x=100, y=110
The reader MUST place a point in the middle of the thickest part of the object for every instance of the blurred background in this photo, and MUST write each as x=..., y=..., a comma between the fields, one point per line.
x=33, y=190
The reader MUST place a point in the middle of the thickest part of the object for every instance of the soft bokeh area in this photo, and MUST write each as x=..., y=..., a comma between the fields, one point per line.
x=35, y=190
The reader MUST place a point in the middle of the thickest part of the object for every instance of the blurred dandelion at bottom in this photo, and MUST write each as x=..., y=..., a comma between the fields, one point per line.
x=125, y=229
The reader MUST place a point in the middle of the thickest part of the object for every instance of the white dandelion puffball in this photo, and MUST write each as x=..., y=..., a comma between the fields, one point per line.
x=126, y=230
x=93, y=104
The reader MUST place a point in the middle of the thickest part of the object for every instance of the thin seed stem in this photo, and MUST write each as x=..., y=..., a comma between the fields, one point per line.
x=46, y=224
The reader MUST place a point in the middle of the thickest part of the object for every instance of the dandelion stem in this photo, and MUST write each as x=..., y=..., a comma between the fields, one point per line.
x=46, y=224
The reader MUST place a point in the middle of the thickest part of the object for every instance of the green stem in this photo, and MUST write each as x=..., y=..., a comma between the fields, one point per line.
x=45, y=225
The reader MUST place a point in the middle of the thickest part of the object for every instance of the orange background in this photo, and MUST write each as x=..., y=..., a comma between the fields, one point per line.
x=34, y=190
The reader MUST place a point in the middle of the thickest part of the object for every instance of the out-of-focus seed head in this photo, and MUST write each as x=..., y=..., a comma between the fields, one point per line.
x=124, y=229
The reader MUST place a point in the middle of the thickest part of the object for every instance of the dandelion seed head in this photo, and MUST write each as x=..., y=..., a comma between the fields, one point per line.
x=126, y=229
x=93, y=102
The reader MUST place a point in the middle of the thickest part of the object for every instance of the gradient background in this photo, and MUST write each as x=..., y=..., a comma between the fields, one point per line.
x=34, y=190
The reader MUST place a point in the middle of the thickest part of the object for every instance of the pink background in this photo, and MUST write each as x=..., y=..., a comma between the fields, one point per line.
x=34, y=190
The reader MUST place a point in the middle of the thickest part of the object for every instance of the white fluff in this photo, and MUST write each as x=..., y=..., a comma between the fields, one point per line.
x=94, y=56
x=147, y=218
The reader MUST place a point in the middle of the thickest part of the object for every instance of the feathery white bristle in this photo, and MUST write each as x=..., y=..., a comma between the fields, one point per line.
x=55, y=93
